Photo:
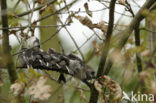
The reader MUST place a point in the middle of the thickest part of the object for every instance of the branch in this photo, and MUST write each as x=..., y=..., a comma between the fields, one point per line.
x=47, y=16
x=147, y=30
x=137, y=43
x=123, y=36
x=5, y=42
x=35, y=9
x=137, y=37
x=56, y=12
x=105, y=49
x=76, y=45
x=55, y=61
x=32, y=26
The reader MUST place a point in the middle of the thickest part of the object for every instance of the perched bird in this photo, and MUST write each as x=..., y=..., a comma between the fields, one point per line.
x=33, y=55
x=33, y=42
x=60, y=61
x=90, y=73
x=29, y=51
x=78, y=69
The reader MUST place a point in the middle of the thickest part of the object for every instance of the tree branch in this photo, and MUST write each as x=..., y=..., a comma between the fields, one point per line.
x=94, y=92
x=123, y=36
x=5, y=42
x=121, y=41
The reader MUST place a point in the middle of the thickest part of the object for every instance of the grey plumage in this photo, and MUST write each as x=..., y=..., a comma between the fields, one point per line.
x=33, y=55
x=79, y=69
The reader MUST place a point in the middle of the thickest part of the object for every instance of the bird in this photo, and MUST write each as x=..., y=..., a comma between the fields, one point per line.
x=79, y=69
x=28, y=51
x=33, y=55
x=33, y=43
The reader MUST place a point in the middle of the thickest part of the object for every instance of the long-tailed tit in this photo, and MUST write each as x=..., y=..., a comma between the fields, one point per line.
x=33, y=42
x=32, y=45
x=79, y=70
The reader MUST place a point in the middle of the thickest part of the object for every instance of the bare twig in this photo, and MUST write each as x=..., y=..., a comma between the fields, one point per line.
x=136, y=4
x=123, y=37
x=17, y=3
x=56, y=12
x=47, y=16
x=73, y=41
x=32, y=26
x=137, y=37
x=35, y=9
x=84, y=43
x=128, y=6
x=147, y=30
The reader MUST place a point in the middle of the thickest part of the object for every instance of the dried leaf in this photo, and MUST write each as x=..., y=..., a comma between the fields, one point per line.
x=122, y=2
x=102, y=26
x=117, y=57
x=96, y=47
x=40, y=1
x=87, y=9
x=143, y=75
x=112, y=85
x=98, y=86
x=146, y=53
x=86, y=21
x=43, y=9
x=82, y=95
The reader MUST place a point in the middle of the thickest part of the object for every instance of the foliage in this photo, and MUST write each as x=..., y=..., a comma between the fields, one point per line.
x=124, y=61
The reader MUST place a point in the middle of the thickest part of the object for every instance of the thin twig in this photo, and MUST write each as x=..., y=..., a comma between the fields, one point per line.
x=35, y=9
x=56, y=12
x=14, y=8
x=136, y=4
x=32, y=26
x=83, y=43
x=73, y=40
x=147, y=30
x=51, y=69
x=129, y=8
x=123, y=37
